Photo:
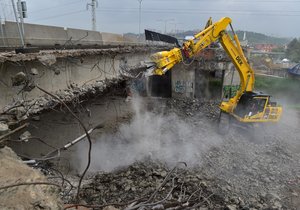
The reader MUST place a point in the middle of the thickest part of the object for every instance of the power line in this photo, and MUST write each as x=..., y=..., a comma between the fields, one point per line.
x=6, y=9
x=224, y=12
x=57, y=6
x=61, y=15
x=186, y=11
x=192, y=9
x=237, y=1
x=227, y=1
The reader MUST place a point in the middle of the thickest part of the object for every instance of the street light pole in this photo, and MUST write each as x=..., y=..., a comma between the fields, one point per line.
x=140, y=17
x=175, y=27
x=166, y=26
x=165, y=21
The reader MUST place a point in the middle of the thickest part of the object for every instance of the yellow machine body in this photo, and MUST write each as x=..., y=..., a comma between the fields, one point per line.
x=268, y=111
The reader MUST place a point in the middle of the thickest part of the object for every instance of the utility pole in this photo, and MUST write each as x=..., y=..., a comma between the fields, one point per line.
x=165, y=21
x=93, y=5
x=19, y=6
x=19, y=28
x=140, y=17
x=175, y=27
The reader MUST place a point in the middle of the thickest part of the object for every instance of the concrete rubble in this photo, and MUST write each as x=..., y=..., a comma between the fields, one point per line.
x=35, y=196
x=192, y=107
x=243, y=172
x=140, y=181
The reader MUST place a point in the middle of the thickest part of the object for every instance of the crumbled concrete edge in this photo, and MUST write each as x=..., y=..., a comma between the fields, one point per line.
x=46, y=102
x=13, y=57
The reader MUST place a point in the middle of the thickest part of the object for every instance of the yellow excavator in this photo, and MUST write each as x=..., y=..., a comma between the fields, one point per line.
x=246, y=106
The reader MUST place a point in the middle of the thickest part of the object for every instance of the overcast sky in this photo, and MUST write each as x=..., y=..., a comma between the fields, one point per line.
x=272, y=17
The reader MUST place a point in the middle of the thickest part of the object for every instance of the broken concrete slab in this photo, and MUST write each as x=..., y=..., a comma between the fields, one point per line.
x=3, y=128
x=34, y=196
x=13, y=57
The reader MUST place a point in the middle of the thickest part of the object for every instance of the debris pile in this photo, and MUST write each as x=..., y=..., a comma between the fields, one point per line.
x=153, y=185
x=22, y=187
x=149, y=185
x=194, y=107
x=257, y=171
x=246, y=170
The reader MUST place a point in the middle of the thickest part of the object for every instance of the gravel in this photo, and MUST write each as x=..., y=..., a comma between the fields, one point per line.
x=257, y=168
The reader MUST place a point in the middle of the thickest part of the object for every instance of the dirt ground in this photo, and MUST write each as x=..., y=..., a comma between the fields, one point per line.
x=167, y=154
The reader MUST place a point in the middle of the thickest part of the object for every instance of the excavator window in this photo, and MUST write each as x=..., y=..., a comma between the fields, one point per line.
x=261, y=104
x=250, y=104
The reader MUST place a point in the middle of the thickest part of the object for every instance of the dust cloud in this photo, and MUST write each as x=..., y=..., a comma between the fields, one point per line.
x=151, y=135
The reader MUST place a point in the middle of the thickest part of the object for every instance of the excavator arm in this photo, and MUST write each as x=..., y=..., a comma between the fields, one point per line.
x=165, y=60
x=266, y=112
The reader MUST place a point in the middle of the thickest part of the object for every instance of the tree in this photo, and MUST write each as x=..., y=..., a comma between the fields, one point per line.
x=293, y=50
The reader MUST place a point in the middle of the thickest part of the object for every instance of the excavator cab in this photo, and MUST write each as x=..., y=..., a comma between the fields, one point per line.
x=256, y=107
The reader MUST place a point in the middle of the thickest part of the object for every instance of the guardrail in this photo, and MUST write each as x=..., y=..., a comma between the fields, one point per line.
x=52, y=36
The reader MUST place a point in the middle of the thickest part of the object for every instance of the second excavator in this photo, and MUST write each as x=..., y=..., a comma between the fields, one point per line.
x=246, y=105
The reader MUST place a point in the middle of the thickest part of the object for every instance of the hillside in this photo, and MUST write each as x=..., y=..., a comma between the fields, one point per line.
x=252, y=37
x=258, y=38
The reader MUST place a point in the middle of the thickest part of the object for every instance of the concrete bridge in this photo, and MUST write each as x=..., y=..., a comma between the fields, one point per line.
x=89, y=77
